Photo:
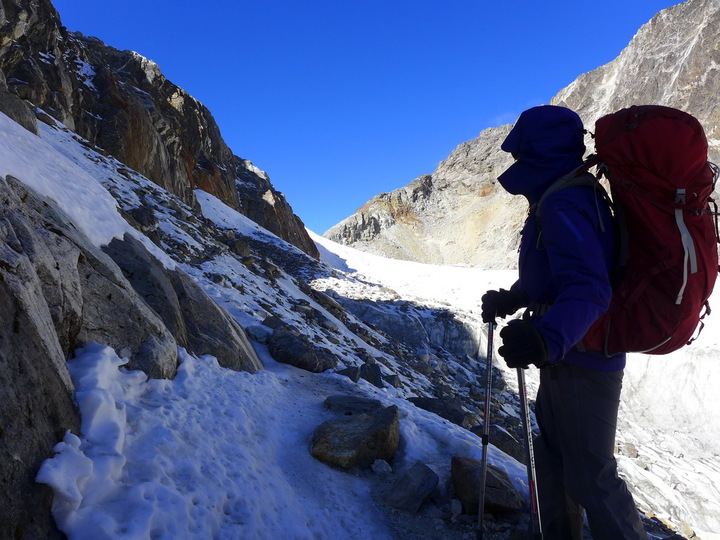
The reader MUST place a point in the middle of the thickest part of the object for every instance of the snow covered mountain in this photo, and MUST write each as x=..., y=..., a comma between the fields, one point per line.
x=459, y=214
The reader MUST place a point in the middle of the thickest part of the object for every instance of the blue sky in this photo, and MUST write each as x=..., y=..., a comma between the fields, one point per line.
x=339, y=100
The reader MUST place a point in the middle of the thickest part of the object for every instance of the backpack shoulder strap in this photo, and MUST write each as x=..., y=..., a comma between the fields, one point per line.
x=583, y=177
x=577, y=177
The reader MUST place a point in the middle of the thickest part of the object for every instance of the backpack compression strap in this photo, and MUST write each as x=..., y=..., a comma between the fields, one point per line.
x=690, y=259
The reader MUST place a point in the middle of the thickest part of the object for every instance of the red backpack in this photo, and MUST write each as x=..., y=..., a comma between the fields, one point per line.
x=656, y=161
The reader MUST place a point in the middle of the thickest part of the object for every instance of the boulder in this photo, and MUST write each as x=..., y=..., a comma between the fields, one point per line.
x=503, y=440
x=115, y=315
x=500, y=495
x=451, y=413
x=351, y=372
x=273, y=322
x=19, y=110
x=358, y=440
x=372, y=373
x=345, y=405
x=210, y=329
x=288, y=345
x=412, y=488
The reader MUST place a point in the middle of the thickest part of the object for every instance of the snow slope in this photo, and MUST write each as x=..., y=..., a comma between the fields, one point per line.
x=212, y=453
x=670, y=410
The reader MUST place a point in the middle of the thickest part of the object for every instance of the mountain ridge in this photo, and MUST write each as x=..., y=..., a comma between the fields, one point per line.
x=672, y=60
x=120, y=101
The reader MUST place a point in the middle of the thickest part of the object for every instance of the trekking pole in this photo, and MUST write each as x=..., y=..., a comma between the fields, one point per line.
x=486, y=430
x=535, y=523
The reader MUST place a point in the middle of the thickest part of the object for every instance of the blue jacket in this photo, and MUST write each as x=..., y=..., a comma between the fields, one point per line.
x=569, y=269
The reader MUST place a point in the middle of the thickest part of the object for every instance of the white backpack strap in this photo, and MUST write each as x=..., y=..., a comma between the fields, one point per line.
x=690, y=259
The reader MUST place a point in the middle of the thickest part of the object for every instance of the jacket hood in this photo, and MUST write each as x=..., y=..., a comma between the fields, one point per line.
x=547, y=142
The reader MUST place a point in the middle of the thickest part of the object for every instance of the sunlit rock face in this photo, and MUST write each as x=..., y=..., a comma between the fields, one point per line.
x=121, y=102
x=459, y=214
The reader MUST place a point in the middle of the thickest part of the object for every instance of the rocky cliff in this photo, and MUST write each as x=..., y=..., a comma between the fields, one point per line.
x=61, y=292
x=673, y=60
x=120, y=102
x=459, y=215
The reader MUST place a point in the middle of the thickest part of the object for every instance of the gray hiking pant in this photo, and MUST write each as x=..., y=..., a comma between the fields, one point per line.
x=577, y=410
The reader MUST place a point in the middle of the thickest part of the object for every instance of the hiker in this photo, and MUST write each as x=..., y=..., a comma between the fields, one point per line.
x=565, y=264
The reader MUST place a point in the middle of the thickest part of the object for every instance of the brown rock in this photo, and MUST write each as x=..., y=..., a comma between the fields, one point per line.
x=358, y=440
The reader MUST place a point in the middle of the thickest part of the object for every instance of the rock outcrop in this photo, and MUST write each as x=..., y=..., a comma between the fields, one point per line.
x=418, y=327
x=193, y=318
x=60, y=292
x=673, y=60
x=121, y=102
x=289, y=345
x=73, y=289
x=35, y=387
x=412, y=488
x=500, y=496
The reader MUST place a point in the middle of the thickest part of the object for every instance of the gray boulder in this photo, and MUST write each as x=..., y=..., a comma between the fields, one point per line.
x=290, y=346
x=192, y=316
x=115, y=315
x=19, y=110
x=210, y=329
x=412, y=488
x=372, y=373
x=449, y=411
x=503, y=440
x=500, y=495
x=351, y=372
x=345, y=405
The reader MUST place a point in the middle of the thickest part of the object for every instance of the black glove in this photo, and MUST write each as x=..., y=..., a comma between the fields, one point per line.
x=523, y=344
x=500, y=304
